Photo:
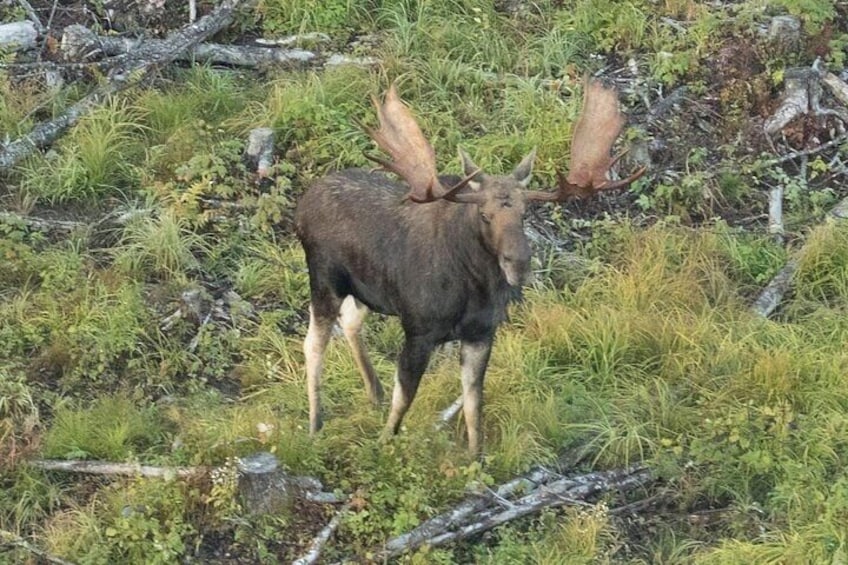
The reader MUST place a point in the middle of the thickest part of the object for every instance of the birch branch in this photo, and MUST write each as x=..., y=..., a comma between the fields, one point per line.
x=547, y=489
x=118, y=469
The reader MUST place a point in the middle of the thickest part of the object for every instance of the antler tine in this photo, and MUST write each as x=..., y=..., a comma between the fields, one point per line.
x=597, y=128
x=412, y=156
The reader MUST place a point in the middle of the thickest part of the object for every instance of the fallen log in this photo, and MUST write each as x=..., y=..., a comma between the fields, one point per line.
x=81, y=44
x=118, y=469
x=130, y=71
x=40, y=224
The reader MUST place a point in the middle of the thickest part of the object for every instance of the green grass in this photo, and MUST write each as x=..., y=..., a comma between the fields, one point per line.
x=639, y=346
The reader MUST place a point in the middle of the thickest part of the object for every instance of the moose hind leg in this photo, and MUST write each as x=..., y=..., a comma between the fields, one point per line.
x=474, y=358
x=411, y=365
x=314, y=345
x=351, y=317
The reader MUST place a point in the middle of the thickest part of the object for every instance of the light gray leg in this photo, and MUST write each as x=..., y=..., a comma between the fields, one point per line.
x=474, y=358
x=317, y=337
x=351, y=317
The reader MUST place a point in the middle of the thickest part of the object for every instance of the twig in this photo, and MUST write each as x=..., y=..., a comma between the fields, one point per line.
x=10, y=539
x=318, y=542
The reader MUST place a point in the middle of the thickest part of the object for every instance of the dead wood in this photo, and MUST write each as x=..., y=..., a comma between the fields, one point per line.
x=40, y=224
x=448, y=414
x=837, y=87
x=795, y=101
x=81, y=44
x=318, y=542
x=264, y=488
x=128, y=71
x=260, y=150
x=772, y=295
x=118, y=469
x=18, y=36
x=10, y=539
x=33, y=16
x=260, y=464
x=802, y=95
x=542, y=488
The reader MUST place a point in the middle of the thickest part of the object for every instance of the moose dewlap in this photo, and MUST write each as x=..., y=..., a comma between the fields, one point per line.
x=442, y=253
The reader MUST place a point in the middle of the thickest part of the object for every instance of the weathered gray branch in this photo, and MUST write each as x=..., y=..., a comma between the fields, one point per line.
x=318, y=542
x=118, y=469
x=132, y=70
x=772, y=295
x=258, y=465
x=80, y=43
x=40, y=224
x=543, y=489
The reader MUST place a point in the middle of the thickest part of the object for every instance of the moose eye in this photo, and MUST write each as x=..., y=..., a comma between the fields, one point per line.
x=485, y=217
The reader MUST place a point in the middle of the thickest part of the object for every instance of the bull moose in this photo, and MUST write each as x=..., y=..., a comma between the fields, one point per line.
x=443, y=253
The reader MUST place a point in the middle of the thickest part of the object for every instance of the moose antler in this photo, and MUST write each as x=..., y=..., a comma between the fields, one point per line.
x=597, y=128
x=413, y=158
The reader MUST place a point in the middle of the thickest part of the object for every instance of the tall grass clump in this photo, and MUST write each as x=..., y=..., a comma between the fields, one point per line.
x=113, y=428
x=93, y=160
x=822, y=275
x=191, y=116
x=163, y=247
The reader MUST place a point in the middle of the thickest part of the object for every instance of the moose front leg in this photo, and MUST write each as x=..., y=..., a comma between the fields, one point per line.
x=474, y=358
x=317, y=338
x=411, y=365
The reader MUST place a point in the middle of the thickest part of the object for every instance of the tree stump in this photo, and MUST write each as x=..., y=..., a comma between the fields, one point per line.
x=263, y=486
x=259, y=154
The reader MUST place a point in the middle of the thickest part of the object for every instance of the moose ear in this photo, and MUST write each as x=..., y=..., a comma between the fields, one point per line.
x=470, y=168
x=524, y=170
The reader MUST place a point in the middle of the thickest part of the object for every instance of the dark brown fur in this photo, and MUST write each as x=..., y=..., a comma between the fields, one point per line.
x=441, y=267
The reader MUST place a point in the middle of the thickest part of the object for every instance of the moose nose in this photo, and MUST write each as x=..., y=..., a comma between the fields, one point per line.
x=515, y=268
